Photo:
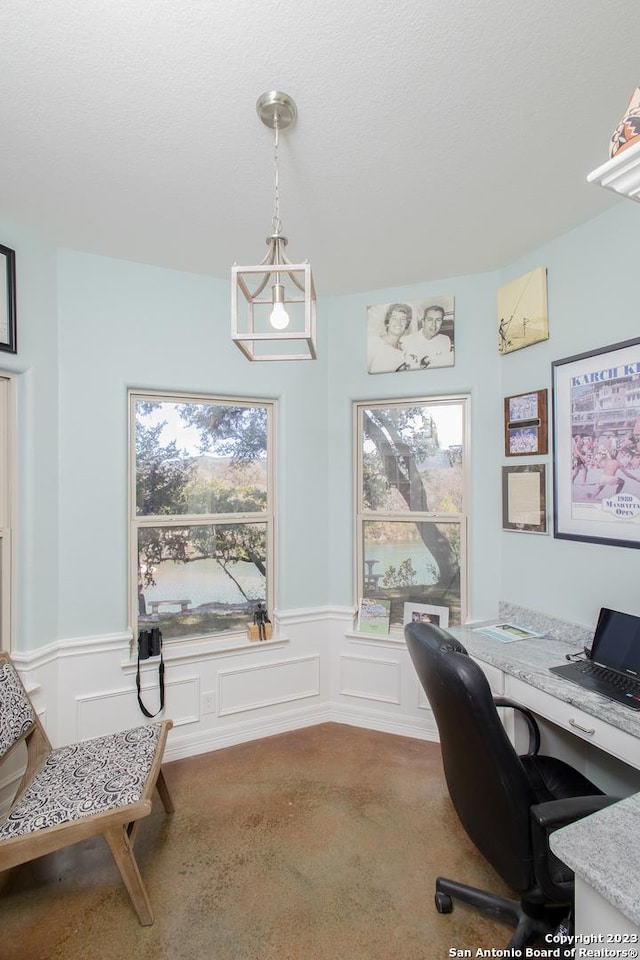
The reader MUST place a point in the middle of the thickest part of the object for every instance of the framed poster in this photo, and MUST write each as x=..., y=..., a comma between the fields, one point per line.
x=522, y=312
x=524, y=498
x=525, y=424
x=7, y=299
x=596, y=456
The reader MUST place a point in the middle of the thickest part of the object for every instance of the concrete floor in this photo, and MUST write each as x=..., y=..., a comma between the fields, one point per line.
x=319, y=844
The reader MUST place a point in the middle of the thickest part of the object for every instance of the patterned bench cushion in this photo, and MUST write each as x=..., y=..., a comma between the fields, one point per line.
x=86, y=778
x=16, y=712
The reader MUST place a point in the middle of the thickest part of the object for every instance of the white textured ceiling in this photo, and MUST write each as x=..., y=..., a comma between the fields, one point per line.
x=434, y=137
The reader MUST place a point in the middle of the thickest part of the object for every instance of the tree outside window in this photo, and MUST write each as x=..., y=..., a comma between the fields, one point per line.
x=411, y=519
x=201, y=517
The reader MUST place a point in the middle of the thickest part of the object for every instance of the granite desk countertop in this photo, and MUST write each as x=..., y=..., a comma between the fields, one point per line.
x=604, y=850
x=529, y=661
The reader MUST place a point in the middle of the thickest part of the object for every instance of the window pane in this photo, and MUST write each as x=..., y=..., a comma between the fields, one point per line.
x=200, y=457
x=195, y=580
x=417, y=562
x=412, y=458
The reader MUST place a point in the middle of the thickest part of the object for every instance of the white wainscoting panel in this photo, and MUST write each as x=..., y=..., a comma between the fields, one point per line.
x=318, y=670
x=112, y=710
x=370, y=678
x=267, y=684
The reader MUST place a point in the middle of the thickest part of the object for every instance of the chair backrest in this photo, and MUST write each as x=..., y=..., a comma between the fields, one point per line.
x=19, y=722
x=486, y=780
x=17, y=716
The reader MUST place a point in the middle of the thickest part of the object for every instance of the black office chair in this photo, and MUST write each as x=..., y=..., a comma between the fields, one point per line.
x=507, y=804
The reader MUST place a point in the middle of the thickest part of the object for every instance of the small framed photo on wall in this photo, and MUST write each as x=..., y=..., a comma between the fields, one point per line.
x=525, y=424
x=524, y=498
x=7, y=299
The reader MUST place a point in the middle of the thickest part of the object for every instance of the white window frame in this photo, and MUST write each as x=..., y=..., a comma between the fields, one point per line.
x=462, y=518
x=267, y=518
x=7, y=508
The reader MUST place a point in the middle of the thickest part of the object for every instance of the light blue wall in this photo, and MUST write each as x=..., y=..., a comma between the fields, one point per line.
x=90, y=327
x=593, y=302
x=476, y=372
x=128, y=325
x=35, y=608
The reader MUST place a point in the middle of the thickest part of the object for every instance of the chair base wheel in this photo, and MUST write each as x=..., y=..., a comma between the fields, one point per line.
x=444, y=903
x=532, y=921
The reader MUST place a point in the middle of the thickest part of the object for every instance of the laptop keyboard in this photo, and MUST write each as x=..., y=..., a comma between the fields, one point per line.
x=617, y=680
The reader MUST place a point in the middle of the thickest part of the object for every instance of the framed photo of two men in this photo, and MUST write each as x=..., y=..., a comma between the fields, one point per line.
x=410, y=335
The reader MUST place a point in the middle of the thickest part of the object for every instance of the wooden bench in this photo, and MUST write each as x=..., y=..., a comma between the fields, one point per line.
x=99, y=786
x=155, y=604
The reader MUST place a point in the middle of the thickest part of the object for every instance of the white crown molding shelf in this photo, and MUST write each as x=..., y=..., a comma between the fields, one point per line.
x=621, y=174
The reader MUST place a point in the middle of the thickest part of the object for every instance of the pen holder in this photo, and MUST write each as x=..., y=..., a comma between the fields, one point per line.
x=254, y=631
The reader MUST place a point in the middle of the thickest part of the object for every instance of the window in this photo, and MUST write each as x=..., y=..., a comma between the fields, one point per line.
x=201, y=512
x=6, y=508
x=411, y=504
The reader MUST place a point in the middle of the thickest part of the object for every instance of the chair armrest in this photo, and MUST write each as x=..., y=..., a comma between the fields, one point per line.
x=547, y=817
x=559, y=813
x=532, y=725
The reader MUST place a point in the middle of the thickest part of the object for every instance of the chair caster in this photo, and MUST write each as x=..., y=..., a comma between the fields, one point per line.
x=444, y=903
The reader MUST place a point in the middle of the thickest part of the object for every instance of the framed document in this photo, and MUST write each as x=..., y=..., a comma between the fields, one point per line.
x=524, y=498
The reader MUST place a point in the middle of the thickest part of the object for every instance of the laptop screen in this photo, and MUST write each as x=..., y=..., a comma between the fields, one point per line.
x=616, y=642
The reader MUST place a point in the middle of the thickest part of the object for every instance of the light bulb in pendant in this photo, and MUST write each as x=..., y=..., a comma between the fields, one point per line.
x=278, y=318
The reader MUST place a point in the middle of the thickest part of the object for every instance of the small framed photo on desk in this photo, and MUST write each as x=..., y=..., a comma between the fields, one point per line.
x=425, y=613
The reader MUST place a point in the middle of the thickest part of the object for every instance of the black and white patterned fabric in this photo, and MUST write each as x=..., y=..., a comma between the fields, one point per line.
x=85, y=778
x=16, y=712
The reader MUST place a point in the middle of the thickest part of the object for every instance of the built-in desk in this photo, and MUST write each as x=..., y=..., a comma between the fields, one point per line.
x=603, y=849
x=523, y=672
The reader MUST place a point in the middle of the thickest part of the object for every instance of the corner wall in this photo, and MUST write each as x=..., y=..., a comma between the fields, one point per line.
x=592, y=303
x=89, y=327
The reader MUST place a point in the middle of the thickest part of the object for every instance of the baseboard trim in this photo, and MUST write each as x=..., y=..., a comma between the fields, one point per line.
x=206, y=741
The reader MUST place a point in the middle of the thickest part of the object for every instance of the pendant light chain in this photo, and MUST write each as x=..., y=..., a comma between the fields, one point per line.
x=276, y=223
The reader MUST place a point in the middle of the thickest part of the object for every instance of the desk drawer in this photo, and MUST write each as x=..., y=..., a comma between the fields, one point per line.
x=602, y=735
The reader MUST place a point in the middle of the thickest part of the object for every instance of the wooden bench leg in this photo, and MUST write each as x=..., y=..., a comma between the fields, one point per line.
x=163, y=790
x=120, y=846
x=167, y=803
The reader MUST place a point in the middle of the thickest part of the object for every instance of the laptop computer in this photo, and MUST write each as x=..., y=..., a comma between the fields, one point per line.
x=613, y=667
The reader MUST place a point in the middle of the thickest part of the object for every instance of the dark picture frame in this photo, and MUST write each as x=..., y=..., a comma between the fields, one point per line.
x=596, y=448
x=7, y=299
x=526, y=424
x=524, y=498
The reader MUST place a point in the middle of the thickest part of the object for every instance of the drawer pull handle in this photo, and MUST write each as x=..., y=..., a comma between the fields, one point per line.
x=588, y=732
